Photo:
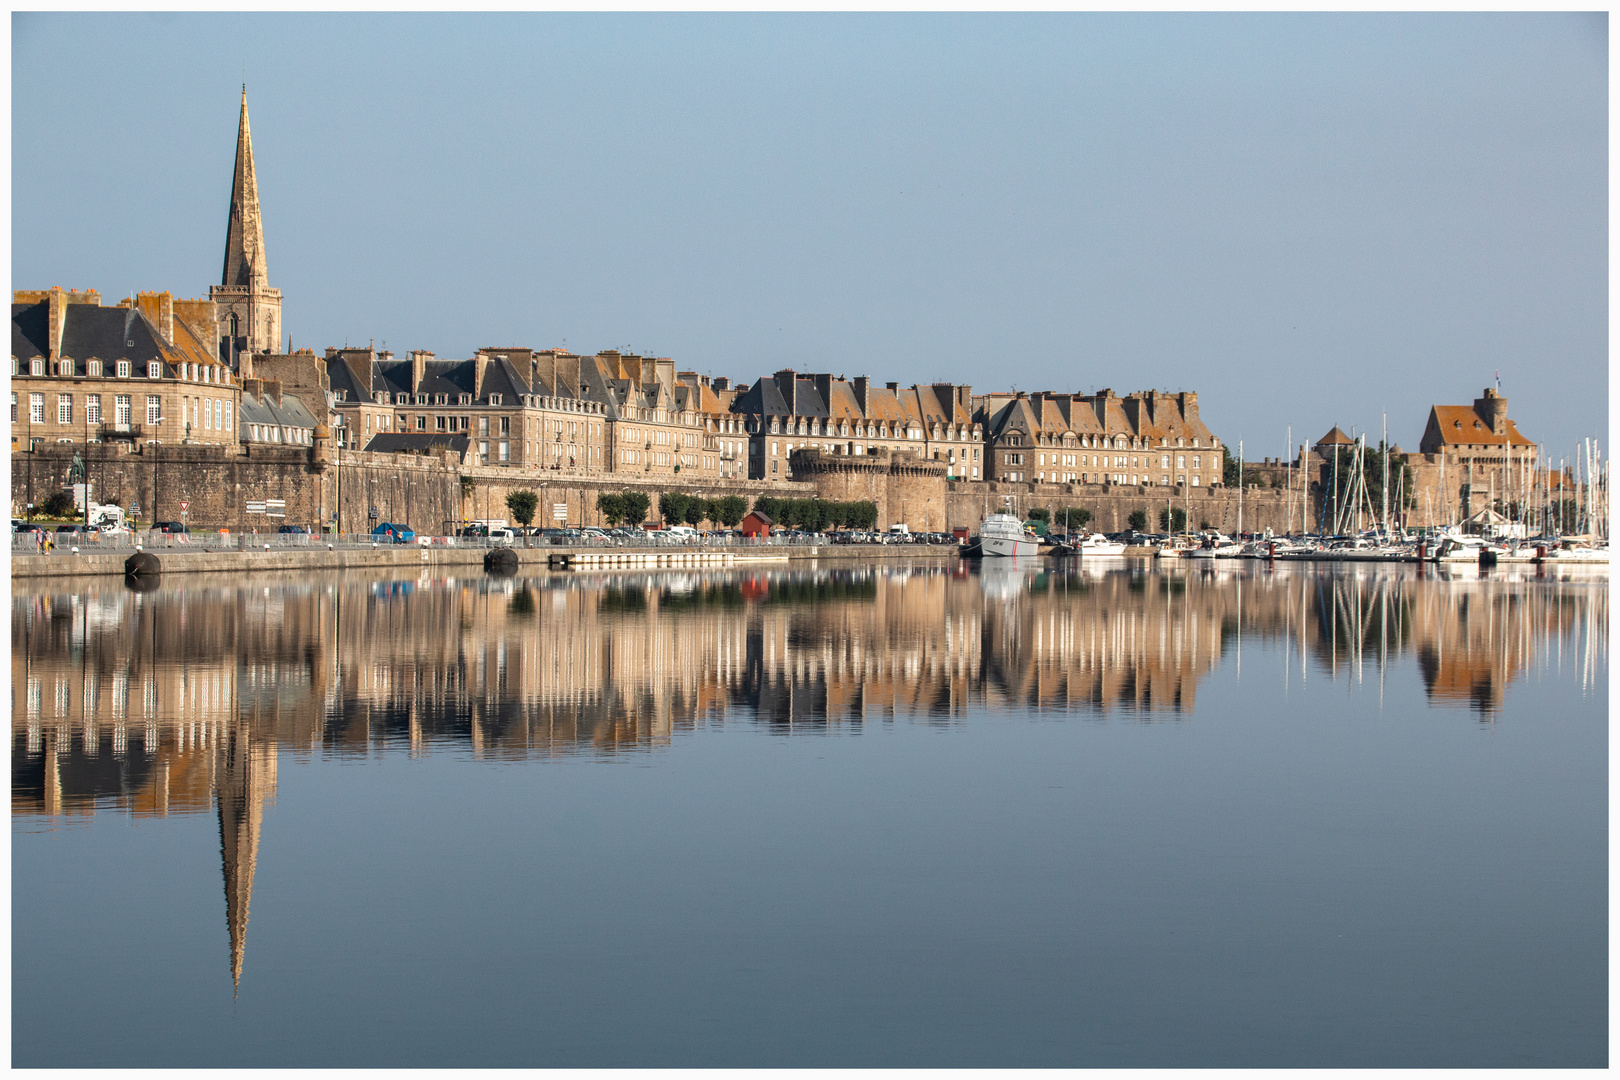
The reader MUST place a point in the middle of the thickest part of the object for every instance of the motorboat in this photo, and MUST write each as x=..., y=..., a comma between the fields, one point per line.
x=1090, y=544
x=1216, y=546
x=1004, y=536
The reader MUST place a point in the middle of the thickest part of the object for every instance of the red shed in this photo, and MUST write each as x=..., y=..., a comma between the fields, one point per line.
x=757, y=523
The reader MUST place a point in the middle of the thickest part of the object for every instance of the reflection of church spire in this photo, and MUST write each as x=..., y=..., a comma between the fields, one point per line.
x=247, y=777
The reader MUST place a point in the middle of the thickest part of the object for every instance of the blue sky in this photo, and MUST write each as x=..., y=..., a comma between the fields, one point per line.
x=1309, y=219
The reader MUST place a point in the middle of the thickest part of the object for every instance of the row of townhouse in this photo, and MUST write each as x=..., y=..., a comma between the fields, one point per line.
x=622, y=413
x=544, y=409
x=137, y=372
x=1146, y=438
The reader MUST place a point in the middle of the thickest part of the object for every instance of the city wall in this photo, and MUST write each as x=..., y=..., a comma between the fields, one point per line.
x=432, y=493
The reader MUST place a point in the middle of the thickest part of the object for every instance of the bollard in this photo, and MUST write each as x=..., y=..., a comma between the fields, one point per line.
x=75, y=550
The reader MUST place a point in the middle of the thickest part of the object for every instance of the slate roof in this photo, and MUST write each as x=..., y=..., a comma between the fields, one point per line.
x=398, y=442
x=90, y=331
x=290, y=411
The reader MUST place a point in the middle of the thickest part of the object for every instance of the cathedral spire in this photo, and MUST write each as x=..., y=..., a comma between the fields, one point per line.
x=244, y=236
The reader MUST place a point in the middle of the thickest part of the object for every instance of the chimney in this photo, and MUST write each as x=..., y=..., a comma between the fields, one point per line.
x=894, y=387
x=722, y=383
x=1189, y=405
x=419, y=359
x=571, y=372
x=158, y=307
x=788, y=383
x=862, y=383
x=480, y=370
x=543, y=372
x=824, y=388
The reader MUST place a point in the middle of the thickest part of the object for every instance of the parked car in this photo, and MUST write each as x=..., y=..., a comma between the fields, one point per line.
x=169, y=526
x=72, y=530
x=398, y=534
x=298, y=529
x=27, y=526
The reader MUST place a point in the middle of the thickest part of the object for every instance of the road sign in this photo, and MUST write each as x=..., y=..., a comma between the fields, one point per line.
x=184, y=506
x=559, y=511
x=374, y=514
x=255, y=507
x=275, y=507
x=134, y=508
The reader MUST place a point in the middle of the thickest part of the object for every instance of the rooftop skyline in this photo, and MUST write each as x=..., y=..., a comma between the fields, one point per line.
x=1307, y=219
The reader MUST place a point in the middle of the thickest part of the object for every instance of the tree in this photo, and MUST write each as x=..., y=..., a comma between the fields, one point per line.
x=635, y=505
x=1073, y=517
x=1040, y=513
x=58, y=504
x=769, y=505
x=522, y=503
x=672, y=507
x=1174, y=520
x=1137, y=520
x=729, y=510
x=611, y=506
x=698, y=509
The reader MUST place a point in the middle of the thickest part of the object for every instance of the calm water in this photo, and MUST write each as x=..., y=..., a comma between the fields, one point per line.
x=869, y=816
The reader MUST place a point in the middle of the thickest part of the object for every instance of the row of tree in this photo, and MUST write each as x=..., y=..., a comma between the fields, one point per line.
x=818, y=515
x=680, y=509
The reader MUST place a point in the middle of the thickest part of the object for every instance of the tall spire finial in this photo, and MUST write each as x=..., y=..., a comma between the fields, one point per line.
x=244, y=234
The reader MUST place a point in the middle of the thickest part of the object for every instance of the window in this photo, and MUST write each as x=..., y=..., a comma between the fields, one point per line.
x=483, y=429
x=464, y=399
x=421, y=423
x=504, y=450
x=1181, y=461
x=340, y=395
x=1014, y=459
x=154, y=409
x=506, y=427
x=92, y=367
x=64, y=368
x=208, y=414
x=121, y=411
x=441, y=399
x=92, y=408
x=483, y=452
x=14, y=406
x=36, y=408
x=1195, y=480
x=64, y=408
x=37, y=367
x=1195, y=461
x=494, y=399
x=438, y=423
x=225, y=409
x=154, y=370
x=123, y=369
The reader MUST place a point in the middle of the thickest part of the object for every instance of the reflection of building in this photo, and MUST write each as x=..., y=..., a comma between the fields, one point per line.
x=181, y=700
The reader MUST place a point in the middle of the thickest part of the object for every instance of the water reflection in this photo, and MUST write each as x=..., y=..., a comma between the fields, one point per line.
x=141, y=700
x=180, y=700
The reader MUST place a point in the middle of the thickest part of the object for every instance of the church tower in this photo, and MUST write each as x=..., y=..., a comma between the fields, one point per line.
x=247, y=310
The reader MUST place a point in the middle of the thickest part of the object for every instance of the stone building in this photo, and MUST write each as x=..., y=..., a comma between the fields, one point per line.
x=135, y=373
x=1147, y=439
x=788, y=412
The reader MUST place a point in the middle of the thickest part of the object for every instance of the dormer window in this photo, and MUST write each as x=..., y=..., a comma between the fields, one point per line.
x=37, y=367
x=123, y=369
x=381, y=398
x=341, y=395
x=441, y=399
x=494, y=399
x=92, y=367
x=154, y=369
x=464, y=399
x=421, y=399
x=65, y=368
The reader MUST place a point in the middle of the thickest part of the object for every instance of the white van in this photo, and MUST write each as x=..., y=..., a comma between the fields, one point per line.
x=684, y=533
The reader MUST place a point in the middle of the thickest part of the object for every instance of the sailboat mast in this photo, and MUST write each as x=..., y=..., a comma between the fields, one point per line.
x=1384, y=449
